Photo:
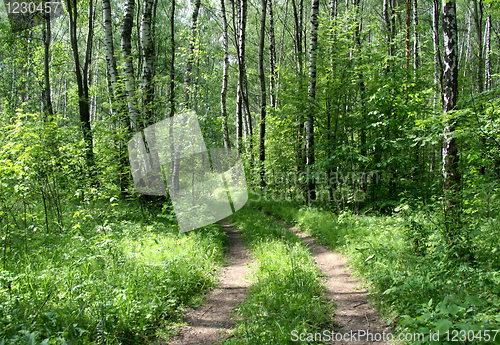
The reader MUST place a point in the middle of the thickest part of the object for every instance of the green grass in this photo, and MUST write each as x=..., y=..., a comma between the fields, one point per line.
x=287, y=292
x=414, y=277
x=110, y=279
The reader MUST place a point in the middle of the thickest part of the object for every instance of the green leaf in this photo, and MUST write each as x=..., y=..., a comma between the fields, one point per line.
x=474, y=300
x=453, y=309
x=443, y=325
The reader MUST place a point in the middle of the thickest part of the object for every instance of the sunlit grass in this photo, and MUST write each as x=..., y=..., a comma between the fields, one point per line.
x=415, y=279
x=112, y=283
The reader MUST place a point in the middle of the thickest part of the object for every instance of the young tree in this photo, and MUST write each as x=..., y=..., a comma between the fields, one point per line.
x=272, y=58
x=262, y=149
x=172, y=61
x=223, y=92
x=47, y=37
x=487, y=42
x=311, y=91
x=82, y=73
x=415, y=36
x=438, y=64
x=190, y=59
x=478, y=21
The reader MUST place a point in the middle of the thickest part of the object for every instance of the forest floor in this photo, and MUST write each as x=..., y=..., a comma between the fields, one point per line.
x=214, y=321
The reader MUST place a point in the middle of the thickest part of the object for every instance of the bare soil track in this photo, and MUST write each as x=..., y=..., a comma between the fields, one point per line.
x=353, y=311
x=212, y=322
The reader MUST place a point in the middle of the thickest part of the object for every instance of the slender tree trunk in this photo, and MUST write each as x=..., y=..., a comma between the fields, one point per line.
x=47, y=37
x=147, y=63
x=282, y=41
x=239, y=104
x=361, y=82
x=415, y=37
x=223, y=92
x=451, y=174
x=300, y=150
x=386, y=11
x=190, y=59
x=243, y=77
x=478, y=21
x=438, y=65
x=272, y=57
x=118, y=97
x=172, y=60
x=311, y=91
x=487, y=42
x=109, y=44
x=408, y=29
x=128, y=67
x=263, y=96
x=82, y=75
x=329, y=104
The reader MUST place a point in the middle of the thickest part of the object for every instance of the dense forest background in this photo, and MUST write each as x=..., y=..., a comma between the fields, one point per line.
x=354, y=107
x=343, y=92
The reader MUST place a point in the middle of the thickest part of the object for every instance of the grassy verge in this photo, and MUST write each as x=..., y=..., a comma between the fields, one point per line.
x=287, y=292
x=414, y=277
x=114, y=277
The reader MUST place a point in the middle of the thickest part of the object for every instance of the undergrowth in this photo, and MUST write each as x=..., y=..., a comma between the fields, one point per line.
x=414, y=277
x=111, y=277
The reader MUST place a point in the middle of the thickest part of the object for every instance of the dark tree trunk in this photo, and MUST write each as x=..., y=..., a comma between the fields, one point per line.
x=82, y=76
x=47, y=37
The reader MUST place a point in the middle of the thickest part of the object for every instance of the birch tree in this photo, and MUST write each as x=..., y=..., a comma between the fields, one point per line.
x=172, y=60
x=147, y=63
x=262, y=134
x=272, y=58
x=190, y=59
x=225, y=70
x=128, y=67
x=311, y=91
x=478, y=21
x=451, y=174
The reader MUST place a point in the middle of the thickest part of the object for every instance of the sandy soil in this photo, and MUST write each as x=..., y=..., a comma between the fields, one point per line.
x=213, y=321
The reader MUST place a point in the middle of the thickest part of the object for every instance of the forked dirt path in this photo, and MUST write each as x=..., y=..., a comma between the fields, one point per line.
x=211, y=322
x=353, y=311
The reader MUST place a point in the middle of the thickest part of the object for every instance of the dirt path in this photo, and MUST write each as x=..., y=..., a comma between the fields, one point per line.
x=212, y=321
x=353, y=310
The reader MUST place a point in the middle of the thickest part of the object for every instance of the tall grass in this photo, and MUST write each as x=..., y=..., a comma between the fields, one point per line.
x=414, y=276
x=112, y=282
